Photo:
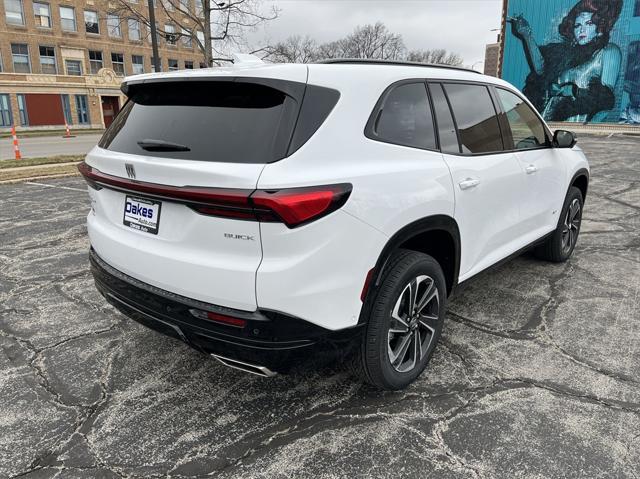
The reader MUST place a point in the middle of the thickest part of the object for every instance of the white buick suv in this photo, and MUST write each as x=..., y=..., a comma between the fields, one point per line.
x=268, y=215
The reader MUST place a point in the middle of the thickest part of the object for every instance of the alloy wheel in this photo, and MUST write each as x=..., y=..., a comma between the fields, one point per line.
x=571, y=226
x=413, y=323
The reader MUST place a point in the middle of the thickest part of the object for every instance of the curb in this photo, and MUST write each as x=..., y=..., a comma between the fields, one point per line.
x=42, y=177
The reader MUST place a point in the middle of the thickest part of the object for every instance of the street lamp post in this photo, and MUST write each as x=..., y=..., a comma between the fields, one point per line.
x=154, y=36
x=473, y=67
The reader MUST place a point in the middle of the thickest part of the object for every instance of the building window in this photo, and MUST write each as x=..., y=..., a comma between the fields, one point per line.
x=95, y=61
x=22, y=109
x=170, y=34
x=200, y=36
x=134, y=29
x=168, y=5
x=91, y=24
x=636, y=11
x=20, y=54
x=184, y=5
x=153, y=65
x=202, y=65
x=173, y=64
x=188, y=65
x=66, y=109
x=186, y=38
x=42, y=14
x=13, y=12
x=73, y=67
x=199, y=8
x=117, y=61
x=68, y=19
x=113, y=25
x=5, y=111
x=82, y=109
x=48, y=60
x=137, y=64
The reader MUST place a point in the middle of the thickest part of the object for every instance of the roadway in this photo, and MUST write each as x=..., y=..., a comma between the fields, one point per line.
x=41, y=146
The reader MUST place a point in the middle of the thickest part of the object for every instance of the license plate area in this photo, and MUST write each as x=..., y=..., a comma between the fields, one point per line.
x=142, y=214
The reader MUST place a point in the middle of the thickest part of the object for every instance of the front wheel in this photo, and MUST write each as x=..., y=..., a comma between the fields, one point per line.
x=405, y=322
x=560, y=245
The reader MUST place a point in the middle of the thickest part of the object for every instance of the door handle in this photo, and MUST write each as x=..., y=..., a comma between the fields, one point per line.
x=531, y=169
x=469, y=183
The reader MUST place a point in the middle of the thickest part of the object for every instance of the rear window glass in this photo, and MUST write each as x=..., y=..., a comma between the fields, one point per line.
x=476, y=118
x=218, y=121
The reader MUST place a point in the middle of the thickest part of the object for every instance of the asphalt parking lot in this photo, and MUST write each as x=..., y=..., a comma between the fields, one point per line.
x=537, y=375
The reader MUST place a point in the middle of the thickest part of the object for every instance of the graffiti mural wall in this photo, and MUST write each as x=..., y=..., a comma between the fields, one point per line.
x=576, y=60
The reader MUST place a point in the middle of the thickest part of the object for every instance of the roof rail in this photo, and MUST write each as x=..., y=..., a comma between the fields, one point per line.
x=367, y=61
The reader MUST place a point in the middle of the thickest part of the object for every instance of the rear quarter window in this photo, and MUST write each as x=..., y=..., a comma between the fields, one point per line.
x=404, y=118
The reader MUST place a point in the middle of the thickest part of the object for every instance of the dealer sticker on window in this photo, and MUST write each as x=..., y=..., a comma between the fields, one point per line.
x=142, y=214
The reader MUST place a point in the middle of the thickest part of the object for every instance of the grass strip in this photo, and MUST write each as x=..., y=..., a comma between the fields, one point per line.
x=40, y=161
x=63, y=169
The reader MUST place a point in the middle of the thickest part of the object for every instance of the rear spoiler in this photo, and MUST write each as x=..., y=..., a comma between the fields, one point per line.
x=290, y=88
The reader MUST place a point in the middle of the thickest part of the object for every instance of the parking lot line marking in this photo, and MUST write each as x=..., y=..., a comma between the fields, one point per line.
x=55, y=186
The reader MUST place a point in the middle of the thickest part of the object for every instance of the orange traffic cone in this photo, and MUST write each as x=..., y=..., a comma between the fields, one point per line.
x=16, y=147
x=67, y=131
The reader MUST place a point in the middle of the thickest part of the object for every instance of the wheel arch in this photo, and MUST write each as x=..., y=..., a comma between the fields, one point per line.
x=437, y=236
x=580, y=180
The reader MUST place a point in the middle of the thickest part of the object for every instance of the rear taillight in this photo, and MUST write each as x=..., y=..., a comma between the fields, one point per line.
x=291, y=206
x=297, y=206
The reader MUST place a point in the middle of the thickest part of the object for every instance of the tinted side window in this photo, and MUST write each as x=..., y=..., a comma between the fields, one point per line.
x=446, y=126
x=527, y=130
x=476, y=118
x=405, y=118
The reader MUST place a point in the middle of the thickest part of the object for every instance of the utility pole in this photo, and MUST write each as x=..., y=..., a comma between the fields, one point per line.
x=154, y=35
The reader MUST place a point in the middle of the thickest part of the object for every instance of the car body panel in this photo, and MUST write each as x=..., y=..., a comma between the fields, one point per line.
x=190, y=255
x=488, y=215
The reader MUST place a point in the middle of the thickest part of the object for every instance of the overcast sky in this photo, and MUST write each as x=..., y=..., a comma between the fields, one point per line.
x=461, y=26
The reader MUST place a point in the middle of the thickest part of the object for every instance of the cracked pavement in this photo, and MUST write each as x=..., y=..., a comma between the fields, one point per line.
x=537, y=374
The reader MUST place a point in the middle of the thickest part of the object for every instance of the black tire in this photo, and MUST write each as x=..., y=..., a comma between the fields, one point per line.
x=559, y=247
x=374, y=358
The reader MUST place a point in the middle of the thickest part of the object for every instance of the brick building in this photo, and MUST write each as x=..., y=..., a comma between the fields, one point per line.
x=63, y=60
x=492, y=59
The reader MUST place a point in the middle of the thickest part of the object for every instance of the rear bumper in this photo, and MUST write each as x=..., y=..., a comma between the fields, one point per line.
x=269, y=339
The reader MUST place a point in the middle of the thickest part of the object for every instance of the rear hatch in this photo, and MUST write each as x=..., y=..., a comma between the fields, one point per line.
x=172, y=176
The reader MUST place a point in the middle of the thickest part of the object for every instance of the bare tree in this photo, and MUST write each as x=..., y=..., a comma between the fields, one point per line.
x=213, y=26
x=295, y=49
x=437, y=56
x=368, y=41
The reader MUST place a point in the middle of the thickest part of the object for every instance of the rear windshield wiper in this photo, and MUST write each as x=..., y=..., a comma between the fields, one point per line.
x=161, y=145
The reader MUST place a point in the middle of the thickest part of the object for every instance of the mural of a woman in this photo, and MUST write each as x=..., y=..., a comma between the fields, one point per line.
x=573, y=80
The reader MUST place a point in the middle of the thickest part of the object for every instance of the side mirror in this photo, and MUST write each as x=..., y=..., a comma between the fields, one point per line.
x=564, y=139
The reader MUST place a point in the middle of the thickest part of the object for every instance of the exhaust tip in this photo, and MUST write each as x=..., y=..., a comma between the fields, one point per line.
x=246, y=367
